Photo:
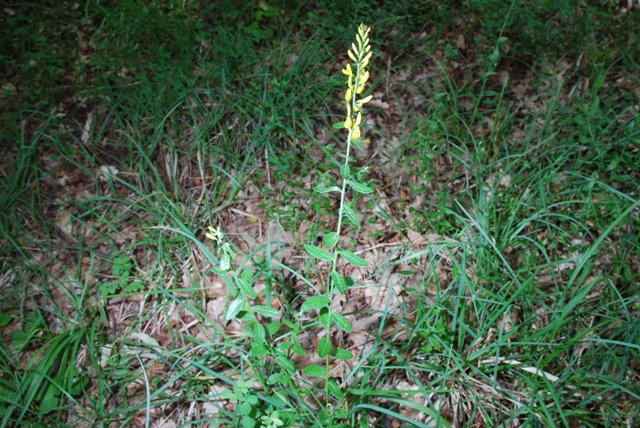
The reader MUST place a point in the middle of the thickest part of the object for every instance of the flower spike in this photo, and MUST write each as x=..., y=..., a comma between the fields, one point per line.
x=360, y=53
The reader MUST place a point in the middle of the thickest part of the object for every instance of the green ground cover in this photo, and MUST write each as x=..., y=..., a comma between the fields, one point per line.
x=488, y=270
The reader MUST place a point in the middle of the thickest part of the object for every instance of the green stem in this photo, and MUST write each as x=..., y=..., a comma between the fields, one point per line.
x=353, y=115
x=334, y=263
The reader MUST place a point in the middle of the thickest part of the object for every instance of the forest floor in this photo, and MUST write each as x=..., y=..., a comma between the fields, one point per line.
x=498, y=243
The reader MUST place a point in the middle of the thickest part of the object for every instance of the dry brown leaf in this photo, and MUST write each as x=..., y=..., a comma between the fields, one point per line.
x=378, y=103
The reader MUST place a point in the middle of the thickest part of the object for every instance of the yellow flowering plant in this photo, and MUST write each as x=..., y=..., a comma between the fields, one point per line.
x=267, y=341
x=357, y=77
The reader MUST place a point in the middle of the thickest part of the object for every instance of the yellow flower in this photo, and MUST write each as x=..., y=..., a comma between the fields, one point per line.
x=361, y=54
x=355, y=134
x=366, y=59
x=363, y=78
x=363, y=101
x=215, y=235
x=347, y=96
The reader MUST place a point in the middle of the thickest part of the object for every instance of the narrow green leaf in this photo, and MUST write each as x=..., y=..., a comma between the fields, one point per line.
x=324, y=347
x=266, y=311
x=318, y=252
x=350, y=280
x=345, y=171
x=315, y=302
x=339, y=282
x=342, y=322
x=315, y=370
x=334, y=388
x=219, y=271
x=285, y=363
x=359, y=187
x=226, y=247
x=246, y=288
x=325, y=318
x=225, y=262
x=330, y=239
x=338, y=125
x=321, y=189
x=283, y=347
x=259, y=350
x=299, y=350
x=246, y=275
x=341, y=354
x=357, y=143
x=259, y=334
x=273, y=327
x=353, y=259
x=351, y=215
x=234, y=309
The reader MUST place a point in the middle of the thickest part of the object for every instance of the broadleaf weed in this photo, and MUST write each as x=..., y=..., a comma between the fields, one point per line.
x=243, y=293
x=122, y=270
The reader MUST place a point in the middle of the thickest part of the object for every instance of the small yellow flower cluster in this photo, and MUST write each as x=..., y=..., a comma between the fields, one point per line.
x=215, y=235
x=361, y=54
